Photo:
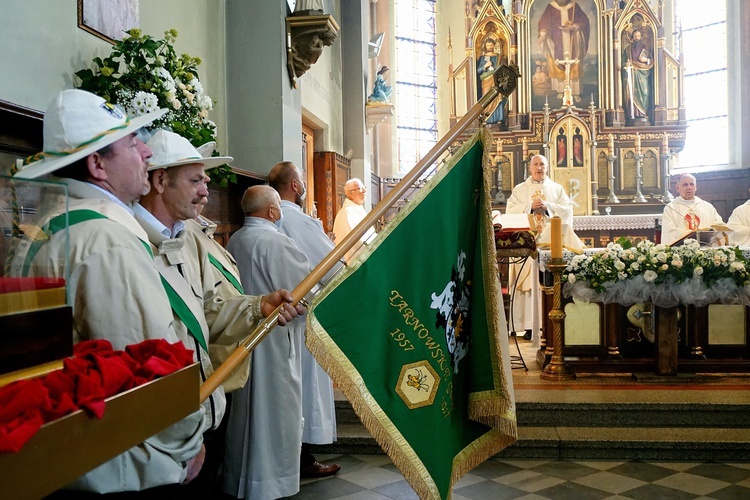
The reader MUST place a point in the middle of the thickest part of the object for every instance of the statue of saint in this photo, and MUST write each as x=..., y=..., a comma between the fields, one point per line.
x=382, y=91
x=638, y=69
x=306, y=5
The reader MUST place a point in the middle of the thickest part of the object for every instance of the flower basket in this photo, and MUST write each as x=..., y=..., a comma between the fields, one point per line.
x=664, y=275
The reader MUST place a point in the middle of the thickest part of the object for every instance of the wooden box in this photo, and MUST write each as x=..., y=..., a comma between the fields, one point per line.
x=73, y=445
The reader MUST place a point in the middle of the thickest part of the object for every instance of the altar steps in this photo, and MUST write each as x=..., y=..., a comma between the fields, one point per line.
x=617, y=431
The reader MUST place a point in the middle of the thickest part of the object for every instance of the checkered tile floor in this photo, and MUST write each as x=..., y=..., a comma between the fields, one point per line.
x=374, y=477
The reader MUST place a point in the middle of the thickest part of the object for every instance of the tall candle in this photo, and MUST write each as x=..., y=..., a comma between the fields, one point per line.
x=638, y=144
x=665, y=143
x=525, y=147
x=556, y=233
x=611, y=145
x=499, y=147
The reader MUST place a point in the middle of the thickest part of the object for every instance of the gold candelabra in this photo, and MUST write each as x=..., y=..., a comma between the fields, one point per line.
x=557, y=369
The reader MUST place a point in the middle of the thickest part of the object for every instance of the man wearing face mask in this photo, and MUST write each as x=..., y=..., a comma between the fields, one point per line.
x=317, y=390
x=264, y=433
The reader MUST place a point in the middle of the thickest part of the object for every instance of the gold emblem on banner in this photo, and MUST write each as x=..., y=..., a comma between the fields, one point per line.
x=417, y=384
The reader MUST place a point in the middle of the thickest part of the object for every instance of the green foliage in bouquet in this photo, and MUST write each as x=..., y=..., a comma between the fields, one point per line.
x=143, y=74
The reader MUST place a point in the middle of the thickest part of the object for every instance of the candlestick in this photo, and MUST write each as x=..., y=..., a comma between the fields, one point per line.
x=556, y=234
x=611, y=145
x=557, y=369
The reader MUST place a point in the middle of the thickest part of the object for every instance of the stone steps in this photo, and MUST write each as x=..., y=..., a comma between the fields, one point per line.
x=621, y=431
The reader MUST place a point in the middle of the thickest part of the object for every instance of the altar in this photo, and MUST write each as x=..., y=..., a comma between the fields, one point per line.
x=597, y=230
x=666, y=339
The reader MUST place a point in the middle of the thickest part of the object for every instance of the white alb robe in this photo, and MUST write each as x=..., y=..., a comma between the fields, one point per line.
x=673, y=223
x=347, y=219
x=317, y=389
x=264, y=431
x=739, y=223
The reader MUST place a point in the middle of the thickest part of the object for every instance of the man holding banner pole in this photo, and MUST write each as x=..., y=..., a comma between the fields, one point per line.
x=443, y=454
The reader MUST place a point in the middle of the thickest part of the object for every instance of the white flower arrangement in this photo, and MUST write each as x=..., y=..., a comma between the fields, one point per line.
x=666, y=276
x=143, y=74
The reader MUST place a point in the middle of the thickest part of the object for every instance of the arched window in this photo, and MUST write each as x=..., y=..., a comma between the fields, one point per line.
x=704, y=46
x=416, y=80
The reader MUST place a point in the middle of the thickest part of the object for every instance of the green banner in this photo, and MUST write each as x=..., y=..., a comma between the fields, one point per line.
x=412, y=331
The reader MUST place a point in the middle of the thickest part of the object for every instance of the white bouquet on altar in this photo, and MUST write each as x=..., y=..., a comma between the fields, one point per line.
x=666, y=276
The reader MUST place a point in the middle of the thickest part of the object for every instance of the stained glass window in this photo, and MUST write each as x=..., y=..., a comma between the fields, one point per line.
x=416, y=80
x=704, y=45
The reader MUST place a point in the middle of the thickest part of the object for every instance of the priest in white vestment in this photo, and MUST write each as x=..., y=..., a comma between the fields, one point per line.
x=264, y=431
x=687, y=213
x=739, y=223
x=543, y=198
x=317, y=389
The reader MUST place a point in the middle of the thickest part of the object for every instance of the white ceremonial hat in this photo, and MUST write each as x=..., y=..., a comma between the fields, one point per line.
x=207, y=149
x=172, y=150
x=78, y=123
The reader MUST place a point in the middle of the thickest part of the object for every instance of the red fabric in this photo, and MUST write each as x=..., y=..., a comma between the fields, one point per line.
x=20, y=413
x=94, y=373
x=8, y=285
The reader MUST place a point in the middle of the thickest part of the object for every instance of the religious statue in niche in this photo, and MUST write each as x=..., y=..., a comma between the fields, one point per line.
x=487, y=63
x=381, y=93
x=562, y=148
x=308, y=7
x=638, y=72
x=577, y=148
x=565, y=52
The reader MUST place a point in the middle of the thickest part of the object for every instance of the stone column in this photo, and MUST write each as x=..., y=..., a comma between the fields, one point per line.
x=355, y=33
x=264, y=112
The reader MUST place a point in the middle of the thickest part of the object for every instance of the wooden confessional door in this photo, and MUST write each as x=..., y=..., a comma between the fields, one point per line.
x=570, y=161
x=331, y=173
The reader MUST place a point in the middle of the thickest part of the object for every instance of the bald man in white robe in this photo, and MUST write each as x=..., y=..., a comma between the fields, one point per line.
x=317, y=389
x=264, y=432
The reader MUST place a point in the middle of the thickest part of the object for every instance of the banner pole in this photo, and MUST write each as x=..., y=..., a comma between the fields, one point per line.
x=505, y=82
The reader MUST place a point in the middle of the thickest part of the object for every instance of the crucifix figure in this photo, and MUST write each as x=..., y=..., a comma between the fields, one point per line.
x=567, y=93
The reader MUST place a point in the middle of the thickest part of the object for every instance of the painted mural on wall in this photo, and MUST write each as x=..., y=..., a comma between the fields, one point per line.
x=564, y=50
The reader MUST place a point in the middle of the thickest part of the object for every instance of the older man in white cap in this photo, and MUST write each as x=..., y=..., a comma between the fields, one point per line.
x=218, y=268
x=176, y=176
x=116, y=293
x=317, y=389
x=542, y=198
